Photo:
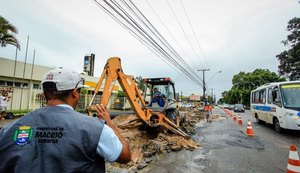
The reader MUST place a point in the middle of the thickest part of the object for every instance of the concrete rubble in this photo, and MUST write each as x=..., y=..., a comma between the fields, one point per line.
x=148, y=144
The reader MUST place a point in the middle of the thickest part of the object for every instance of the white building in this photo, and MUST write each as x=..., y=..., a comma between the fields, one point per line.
x=25, y=81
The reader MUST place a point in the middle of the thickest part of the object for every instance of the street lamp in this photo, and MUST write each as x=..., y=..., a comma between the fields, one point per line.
x=212, y=88
x=214, y=75
x=204, y=83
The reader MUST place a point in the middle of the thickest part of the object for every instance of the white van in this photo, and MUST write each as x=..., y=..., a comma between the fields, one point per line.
x=278, y=104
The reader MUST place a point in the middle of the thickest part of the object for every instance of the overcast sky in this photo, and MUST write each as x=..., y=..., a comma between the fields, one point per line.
x=234, y=36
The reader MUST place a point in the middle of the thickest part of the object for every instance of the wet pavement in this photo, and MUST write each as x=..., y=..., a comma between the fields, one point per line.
x=6, y=122
x=226, y=149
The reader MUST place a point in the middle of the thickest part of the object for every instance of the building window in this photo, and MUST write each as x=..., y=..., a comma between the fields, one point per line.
x=17, y=84
x=36, y=86
x=25, y=85
x=9, y=83
x=2, y=83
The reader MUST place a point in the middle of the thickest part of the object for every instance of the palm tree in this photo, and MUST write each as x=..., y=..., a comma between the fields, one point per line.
x=7, y=32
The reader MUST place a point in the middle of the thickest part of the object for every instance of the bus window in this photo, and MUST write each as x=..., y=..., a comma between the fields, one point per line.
x=252, y=97
x=291, y=95
x=276, y=97
x=262, y=96
x=256, y=97
x=270, y=95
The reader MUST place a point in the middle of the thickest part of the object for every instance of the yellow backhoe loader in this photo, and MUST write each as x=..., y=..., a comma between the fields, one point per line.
x=111, y=74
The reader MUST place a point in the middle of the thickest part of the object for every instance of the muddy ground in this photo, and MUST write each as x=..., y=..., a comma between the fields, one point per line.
x=149, y=144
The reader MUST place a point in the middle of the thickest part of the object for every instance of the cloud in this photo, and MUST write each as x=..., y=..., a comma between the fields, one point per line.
x=234, y=36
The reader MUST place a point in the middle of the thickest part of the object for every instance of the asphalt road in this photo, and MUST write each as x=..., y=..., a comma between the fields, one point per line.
x=226, y=149
x=6, y=122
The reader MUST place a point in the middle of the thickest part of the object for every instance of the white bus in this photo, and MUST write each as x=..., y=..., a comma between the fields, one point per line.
x=278, y=104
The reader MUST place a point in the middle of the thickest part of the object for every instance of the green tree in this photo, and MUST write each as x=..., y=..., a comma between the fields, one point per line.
x=223, y=98
x=7, y=33
x=289, y=60
x=121, y=94
x=140, y=83
x=243, y=83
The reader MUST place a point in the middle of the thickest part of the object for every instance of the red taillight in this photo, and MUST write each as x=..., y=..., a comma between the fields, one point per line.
x=167, y=79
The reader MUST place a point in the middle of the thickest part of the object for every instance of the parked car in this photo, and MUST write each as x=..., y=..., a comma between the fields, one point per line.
x=186, y=105
x=231, y=107
x=238, y=108
x=225, y=106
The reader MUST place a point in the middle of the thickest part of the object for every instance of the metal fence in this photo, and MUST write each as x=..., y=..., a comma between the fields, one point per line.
x=114, y=103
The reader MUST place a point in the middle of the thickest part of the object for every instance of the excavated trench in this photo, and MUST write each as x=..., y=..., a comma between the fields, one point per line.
x=148, y=144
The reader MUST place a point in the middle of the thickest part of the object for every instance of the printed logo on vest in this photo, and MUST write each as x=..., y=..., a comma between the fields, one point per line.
x=23, y=135
x=48, y=134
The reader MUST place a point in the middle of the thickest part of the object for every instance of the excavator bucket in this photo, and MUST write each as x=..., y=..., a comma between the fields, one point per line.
x=171, y=126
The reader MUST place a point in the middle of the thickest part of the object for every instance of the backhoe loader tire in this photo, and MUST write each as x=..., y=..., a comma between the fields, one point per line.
x=182, y=121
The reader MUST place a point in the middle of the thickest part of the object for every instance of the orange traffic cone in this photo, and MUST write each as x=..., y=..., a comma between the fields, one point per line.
x=294, y=162
x=234, y=118
x=240, y=122
x=249, y=130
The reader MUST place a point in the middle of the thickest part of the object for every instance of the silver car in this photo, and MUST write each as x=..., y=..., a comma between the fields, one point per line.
x=238, y=108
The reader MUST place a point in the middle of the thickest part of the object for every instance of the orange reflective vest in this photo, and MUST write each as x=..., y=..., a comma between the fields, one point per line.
x=208, y=108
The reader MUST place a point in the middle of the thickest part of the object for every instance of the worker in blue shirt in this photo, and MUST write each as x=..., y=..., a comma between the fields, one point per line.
x=157, y=97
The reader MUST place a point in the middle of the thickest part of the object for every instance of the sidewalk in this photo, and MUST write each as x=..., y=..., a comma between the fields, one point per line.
x=4, y=123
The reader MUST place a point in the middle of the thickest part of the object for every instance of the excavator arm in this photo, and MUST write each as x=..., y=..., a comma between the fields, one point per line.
x=113, y=72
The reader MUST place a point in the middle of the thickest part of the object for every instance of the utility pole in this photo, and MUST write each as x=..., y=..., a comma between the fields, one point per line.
x=181, y=97
x=212, y=95
x=204, y=88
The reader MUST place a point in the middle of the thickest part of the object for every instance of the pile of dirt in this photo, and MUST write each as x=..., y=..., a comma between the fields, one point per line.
x=147, y=144
x=217, y=117
x=191, y=119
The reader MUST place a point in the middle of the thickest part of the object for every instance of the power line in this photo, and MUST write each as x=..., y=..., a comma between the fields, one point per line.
x=181, y=27
x=176, y=64
x=158, y=35
x=194, y=33
x=133, y=20
x=139, y=38
x=172, y=36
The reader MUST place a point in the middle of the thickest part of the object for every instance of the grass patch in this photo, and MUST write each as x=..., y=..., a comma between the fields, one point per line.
x=22, y=111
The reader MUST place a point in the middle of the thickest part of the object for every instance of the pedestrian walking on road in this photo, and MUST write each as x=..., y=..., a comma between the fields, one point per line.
x=208, y=112
x=56, y=138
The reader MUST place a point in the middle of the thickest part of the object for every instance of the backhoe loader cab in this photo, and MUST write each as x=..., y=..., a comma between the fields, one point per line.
x=165, y=101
